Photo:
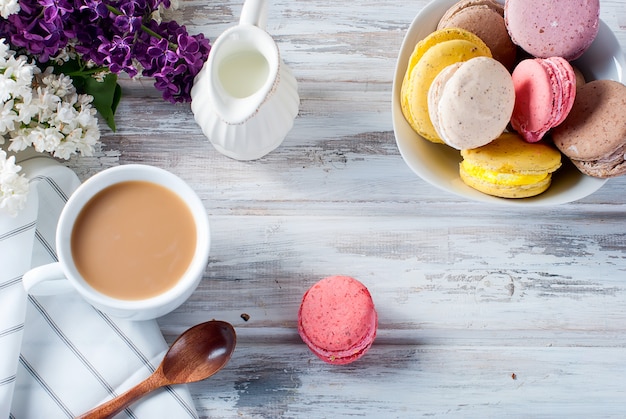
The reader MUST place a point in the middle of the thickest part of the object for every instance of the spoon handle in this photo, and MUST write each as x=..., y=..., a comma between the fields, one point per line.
x=119, y=403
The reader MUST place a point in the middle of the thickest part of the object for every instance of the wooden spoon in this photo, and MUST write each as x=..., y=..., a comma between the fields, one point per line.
x=197, y=354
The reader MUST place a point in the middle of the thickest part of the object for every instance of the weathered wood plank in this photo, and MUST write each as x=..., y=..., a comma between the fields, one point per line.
x=418, y=380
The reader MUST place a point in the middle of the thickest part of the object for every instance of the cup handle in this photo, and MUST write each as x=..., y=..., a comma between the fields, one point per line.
x=254, y=12
x=46, y=280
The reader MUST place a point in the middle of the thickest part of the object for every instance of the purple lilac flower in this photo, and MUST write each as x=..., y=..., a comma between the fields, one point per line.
x=118, y=54
x=40, y=27
x=93, y=9
x=115, y=34
x=174, y=70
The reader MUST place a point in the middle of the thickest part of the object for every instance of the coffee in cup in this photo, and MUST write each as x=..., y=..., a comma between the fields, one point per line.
x=132, y=240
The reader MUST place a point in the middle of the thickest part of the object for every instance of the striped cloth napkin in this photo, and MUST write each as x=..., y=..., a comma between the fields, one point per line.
x=59, y=357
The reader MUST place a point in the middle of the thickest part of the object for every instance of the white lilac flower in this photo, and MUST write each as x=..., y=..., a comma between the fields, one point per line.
x=4, y=50
x=100, y=76
x=64, y=55
x=46, y=101
x=65, y=114
x=7, y=87
x=43, y=111
x=8, y=117
x=22, y=72
x=85, y=117
x=17, y=76
x=20, y=140
x=27, y=109
x=8, y=8
x=46, y=139
x=13, y=186
x=65, y=149
x=60, y=85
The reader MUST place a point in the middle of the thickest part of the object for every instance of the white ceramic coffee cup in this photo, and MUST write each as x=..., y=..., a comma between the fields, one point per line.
x=55, y=277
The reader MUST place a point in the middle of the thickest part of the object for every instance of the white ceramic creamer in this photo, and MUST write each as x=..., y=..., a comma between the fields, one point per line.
x=245, y=99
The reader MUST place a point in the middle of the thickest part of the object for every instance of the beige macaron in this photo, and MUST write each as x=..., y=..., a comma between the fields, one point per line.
x=484, y=18
x=593, y=136
x=470, y=103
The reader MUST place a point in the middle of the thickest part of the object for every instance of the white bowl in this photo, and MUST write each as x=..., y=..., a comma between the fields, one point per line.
x=438, y=164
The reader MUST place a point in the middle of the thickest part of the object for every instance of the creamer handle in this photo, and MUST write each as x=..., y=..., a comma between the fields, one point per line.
x=254, y=12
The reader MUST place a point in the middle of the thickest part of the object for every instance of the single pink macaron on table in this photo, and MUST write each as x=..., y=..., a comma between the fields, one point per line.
x=337, y=319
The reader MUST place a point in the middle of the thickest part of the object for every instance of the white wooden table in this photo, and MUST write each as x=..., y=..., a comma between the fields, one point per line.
x=484, y=311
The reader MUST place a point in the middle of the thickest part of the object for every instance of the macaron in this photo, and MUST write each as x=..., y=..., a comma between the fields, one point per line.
x=593, y=136
x=510, y=167
x=337, y=319
x=432, y=54
x=563, y=28
x=545, y=90
x=484, y=18
x=471, y=102
x=580, y=78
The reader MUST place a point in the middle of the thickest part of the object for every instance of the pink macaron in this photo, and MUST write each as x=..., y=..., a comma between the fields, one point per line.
x=563, y=28
x=545, y=90
x=337, y=319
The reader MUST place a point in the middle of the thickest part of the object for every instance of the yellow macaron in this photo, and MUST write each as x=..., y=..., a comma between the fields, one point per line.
x=432, y=54
x=510, y=167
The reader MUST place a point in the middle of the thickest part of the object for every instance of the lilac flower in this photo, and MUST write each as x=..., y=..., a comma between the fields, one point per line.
x=40, y=27
x=13, y=186
x=174, y=70
x=118, y=34
x=43, y=111
x=9, y=7
x=118, y=54
x=55, y=9
x=93, y=10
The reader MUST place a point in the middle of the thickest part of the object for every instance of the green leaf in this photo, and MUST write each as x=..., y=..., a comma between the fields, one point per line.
x=70, y=68
x=106, y=96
